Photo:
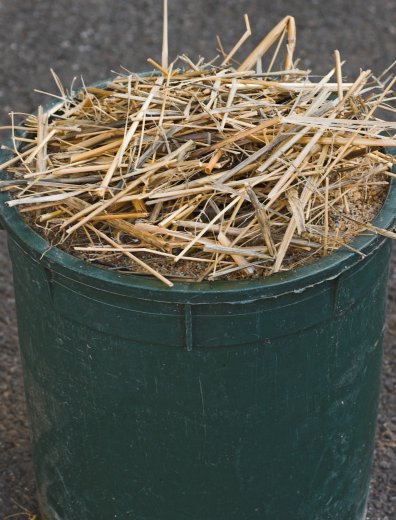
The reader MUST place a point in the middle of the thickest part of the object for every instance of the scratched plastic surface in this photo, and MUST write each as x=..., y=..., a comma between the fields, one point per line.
x=223, y=401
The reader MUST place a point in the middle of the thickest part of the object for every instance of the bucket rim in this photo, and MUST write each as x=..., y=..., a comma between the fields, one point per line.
x=71, y=267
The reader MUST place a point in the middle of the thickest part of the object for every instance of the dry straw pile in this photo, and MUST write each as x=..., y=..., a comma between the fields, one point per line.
x=208, y=170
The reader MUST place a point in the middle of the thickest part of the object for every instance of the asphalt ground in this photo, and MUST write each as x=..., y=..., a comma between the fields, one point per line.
x=95, y=37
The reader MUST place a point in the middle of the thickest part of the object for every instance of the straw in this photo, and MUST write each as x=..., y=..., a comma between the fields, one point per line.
x=206, y=171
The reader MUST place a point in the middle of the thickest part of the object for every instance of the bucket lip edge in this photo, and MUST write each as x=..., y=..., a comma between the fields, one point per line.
x=69, y=266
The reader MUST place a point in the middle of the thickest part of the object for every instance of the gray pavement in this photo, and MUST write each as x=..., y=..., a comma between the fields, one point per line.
x=94, y=37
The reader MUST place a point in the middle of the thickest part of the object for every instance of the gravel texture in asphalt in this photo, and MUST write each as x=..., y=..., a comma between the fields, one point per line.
x=94, y=37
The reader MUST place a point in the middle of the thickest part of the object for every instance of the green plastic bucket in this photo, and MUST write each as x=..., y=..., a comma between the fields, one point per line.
x=211, y=401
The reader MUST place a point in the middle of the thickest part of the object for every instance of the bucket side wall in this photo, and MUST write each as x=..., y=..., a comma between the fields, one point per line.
x=259, y=410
